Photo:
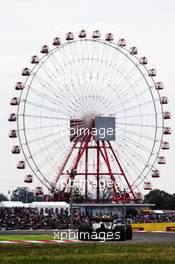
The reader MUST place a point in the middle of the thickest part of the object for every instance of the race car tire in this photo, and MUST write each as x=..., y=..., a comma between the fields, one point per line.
x=121, y=230
x=128, y=232
x=84, y=231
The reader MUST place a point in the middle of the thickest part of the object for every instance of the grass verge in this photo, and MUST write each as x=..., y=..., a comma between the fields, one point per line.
x=26, y=237
x=88, y=253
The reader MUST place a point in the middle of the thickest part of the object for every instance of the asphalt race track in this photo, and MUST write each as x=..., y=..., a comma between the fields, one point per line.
x=138, y=237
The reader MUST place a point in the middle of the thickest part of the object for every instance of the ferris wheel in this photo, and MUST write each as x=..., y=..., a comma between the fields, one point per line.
x=69, y=86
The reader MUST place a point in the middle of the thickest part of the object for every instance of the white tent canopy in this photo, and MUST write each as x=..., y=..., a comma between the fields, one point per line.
x=53, y=205
x=158, y=212
x=11, y=204
x=37, y=205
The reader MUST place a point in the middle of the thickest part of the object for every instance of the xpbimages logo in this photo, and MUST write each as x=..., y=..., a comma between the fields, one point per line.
x=93, y=236
x=101, y=128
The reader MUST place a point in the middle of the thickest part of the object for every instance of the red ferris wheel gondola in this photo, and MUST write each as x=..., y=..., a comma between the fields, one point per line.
x=167, y=131
x=56, y=41
x=109, y=37
x=96, y=34
x=44, y=49
x=12, y=133
x=39, y=191
x=122, y=42
x=147, y=186
x=28, y=178
x=69, y=36
x=12, y=117
x=143, y=60
x=14, y=101
x=16, y=150
x=34, y=59
x=19, y=86
x=82, y=34
x=164, y=100
x=133, y=50
x=21, y=165
x=25, y=72
x=155, y=173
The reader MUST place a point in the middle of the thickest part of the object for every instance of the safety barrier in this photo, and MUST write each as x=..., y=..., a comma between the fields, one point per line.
x=154, y=227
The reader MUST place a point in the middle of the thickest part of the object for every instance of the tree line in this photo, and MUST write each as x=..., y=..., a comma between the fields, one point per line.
x=160, y=198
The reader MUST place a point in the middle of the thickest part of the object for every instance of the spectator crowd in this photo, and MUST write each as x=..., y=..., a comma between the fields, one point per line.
x=32, y=218
x=153, y=218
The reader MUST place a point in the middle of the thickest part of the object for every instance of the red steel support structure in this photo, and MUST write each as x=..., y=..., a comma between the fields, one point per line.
x=103, y=151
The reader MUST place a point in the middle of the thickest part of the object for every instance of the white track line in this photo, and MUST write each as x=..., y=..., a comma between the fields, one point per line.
x=38, y=241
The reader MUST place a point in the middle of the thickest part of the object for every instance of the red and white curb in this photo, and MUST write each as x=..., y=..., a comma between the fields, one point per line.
x=38, y=241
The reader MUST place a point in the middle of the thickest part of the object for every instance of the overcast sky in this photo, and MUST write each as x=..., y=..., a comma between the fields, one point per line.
x=27, y=24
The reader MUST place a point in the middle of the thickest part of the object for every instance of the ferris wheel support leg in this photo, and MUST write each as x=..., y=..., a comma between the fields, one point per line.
x=66, y=160
x=110, y=172
x=121, y=169
x=86, y=172
x=70, y=173
x=98, y=170
x=83, y=147
x=86, y=141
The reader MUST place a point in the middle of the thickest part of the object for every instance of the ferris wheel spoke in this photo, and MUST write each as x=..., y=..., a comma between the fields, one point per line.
x=124, y=78
x=73, y=73
x=140, y=147
x=57, y=141
x=136, y=125
x=141, y=115
x=44, y=117
x=117, y=82
x=49, y=99
x=44, y=96
x=133, y=151
x=129, y=161
x=131, y=98
x=55, y=164
x=126, y=165
x=110, y=78
x=90, y=54
x=48, y=126
x=45, y=148
x=41, y=127
x=43, y=163
x=63, y=81
x=134, y=107
x=59, y=96
x=119, y=177
x=134, y=133
x=61, y=90
x=41, y=138
x=52, y=90
x=86, y=66
x=42, y=106
x=135, y=142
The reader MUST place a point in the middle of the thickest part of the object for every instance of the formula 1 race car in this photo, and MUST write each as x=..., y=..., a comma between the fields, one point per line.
x=104, y=229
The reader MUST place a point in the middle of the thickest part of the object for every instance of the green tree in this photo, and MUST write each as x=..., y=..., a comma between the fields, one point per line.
x=3, y=197
x=130, y=212
x=23, y=194
x=161, y=199
x=77, y=196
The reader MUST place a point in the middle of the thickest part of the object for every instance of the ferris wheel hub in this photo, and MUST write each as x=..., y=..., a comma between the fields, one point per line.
x=89, y=119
